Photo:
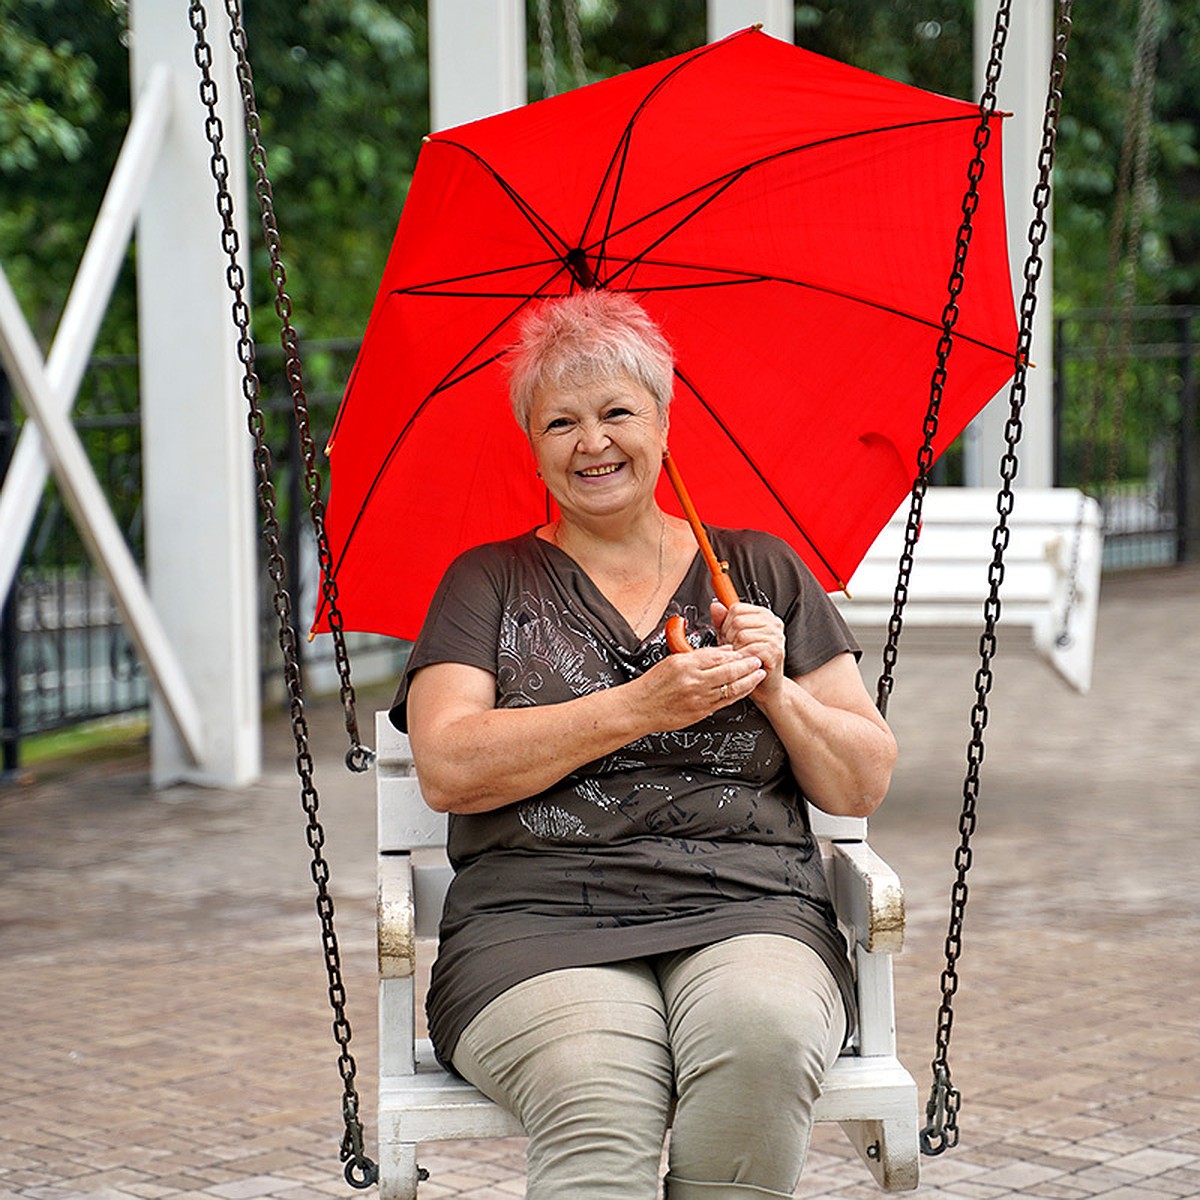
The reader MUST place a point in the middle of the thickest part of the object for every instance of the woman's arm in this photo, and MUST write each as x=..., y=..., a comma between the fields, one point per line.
x=474, y=757
x=840, y=748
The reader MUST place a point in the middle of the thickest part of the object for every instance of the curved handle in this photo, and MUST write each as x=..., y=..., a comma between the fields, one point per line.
x=676, y=631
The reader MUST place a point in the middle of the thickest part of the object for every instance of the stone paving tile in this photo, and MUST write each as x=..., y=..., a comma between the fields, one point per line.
x=172, y=1037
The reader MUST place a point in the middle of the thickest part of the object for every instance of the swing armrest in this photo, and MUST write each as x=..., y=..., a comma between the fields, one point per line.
x=868, y=897
x=396, y=925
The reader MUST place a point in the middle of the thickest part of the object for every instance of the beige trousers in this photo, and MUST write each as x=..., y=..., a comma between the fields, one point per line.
x=738, y=1035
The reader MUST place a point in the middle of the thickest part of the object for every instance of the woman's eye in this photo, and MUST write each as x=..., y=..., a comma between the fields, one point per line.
x=558, y=423
x=616, y=413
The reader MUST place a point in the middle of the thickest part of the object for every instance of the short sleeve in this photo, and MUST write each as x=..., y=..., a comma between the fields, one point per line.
x=462, y=625
x=769, y=572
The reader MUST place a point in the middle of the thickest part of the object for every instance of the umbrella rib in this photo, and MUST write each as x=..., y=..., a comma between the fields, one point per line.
x=557, y=244
x=620, y=153
x=721, y=183
x=739, y=278
x=447, y=381
x=759, y=474
x=428, y=286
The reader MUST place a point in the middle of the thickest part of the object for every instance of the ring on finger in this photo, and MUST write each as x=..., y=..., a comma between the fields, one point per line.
x=724, y=691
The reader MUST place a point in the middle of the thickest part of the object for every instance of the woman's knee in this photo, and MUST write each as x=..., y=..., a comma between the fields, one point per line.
x=753, y=1008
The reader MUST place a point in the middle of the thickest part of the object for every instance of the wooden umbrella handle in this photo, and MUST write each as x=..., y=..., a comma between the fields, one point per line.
x=676, y=631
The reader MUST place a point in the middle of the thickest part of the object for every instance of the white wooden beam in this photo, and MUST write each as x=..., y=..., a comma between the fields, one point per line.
x=777, y=17
x=1022, y=92
x=197, y=468
x=85, y=308
x=476, y=59
x=86, y=502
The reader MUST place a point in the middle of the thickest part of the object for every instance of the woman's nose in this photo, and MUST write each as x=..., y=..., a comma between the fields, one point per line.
x=592, y=437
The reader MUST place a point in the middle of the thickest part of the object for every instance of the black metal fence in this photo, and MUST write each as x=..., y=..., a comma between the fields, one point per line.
x=64, y=654
x=1126, y=429
x=65, y=657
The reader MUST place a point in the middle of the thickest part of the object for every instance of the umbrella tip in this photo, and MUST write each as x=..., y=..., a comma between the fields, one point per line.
x=312, y=636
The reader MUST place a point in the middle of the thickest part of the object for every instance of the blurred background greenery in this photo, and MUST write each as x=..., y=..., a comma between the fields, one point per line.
x=343, y=90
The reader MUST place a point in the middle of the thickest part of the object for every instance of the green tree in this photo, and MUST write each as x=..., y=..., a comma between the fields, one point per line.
x=343, y=93
x=64, y=104
x=343, y=89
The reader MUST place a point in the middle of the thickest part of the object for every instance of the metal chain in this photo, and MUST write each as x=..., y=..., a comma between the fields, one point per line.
x=574, y=45
x=1141, y=102
x=549, y=62
x=360, y=1171
x=962, y=243
x=1124, y=244
x=941, y=1112
x=575, y=41
x=359, y=757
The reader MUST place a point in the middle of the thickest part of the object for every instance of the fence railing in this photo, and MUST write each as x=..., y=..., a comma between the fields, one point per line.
x=65, y=658
x=1126, y=427
x=1126, y=431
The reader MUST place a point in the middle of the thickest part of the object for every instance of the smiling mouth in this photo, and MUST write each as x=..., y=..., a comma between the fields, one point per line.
x=595, y=472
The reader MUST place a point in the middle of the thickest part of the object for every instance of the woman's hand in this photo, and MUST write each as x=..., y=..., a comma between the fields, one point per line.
x=459, y=736
x=840, y=748
x=752, y=630
x=685, y=688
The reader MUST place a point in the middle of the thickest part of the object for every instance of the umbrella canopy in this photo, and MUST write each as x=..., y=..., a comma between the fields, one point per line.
x=787, y=220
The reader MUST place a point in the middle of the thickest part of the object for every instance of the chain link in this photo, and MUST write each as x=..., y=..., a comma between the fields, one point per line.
x=925, y=457
x=358, y=757
x=941, y=1129
x=360, y=1171
x=1124, y=245
x=549, y=60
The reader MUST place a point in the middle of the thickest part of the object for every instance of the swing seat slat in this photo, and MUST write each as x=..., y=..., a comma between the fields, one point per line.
x=1051, y=571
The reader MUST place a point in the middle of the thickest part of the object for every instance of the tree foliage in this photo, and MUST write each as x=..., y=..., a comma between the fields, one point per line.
x=343, y=93
x=1095, y=108
x=64, y=105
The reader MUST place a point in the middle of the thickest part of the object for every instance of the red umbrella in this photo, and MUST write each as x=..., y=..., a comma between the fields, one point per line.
x=789, y=221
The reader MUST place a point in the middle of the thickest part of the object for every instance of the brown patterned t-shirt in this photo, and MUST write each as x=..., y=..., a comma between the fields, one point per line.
x=676, y=840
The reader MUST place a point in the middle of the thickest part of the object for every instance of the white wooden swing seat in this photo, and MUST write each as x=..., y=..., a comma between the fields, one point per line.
x=1051, y=570
x=868, y=1091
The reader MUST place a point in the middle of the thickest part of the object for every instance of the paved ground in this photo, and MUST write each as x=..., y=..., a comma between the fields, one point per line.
x=164, y=1028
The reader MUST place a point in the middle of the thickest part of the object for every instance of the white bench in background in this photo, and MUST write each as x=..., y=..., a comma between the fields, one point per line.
x=869, y=1092
x=1055, y=546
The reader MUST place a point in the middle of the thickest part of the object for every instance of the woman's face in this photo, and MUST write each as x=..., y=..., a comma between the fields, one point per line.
x=599, y=446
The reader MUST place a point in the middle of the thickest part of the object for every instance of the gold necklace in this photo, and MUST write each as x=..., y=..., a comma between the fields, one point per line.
x=635, y=624
x=662, y=535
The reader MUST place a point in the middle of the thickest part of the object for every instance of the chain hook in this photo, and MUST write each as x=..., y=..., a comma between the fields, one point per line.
x=361, y=1173
x=360, y=758
x=941, y=1114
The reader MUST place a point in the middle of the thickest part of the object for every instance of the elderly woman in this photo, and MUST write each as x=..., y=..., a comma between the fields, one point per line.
x=638, y=931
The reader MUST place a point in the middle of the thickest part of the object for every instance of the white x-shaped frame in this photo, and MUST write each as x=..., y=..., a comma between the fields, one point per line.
x=48, y=441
